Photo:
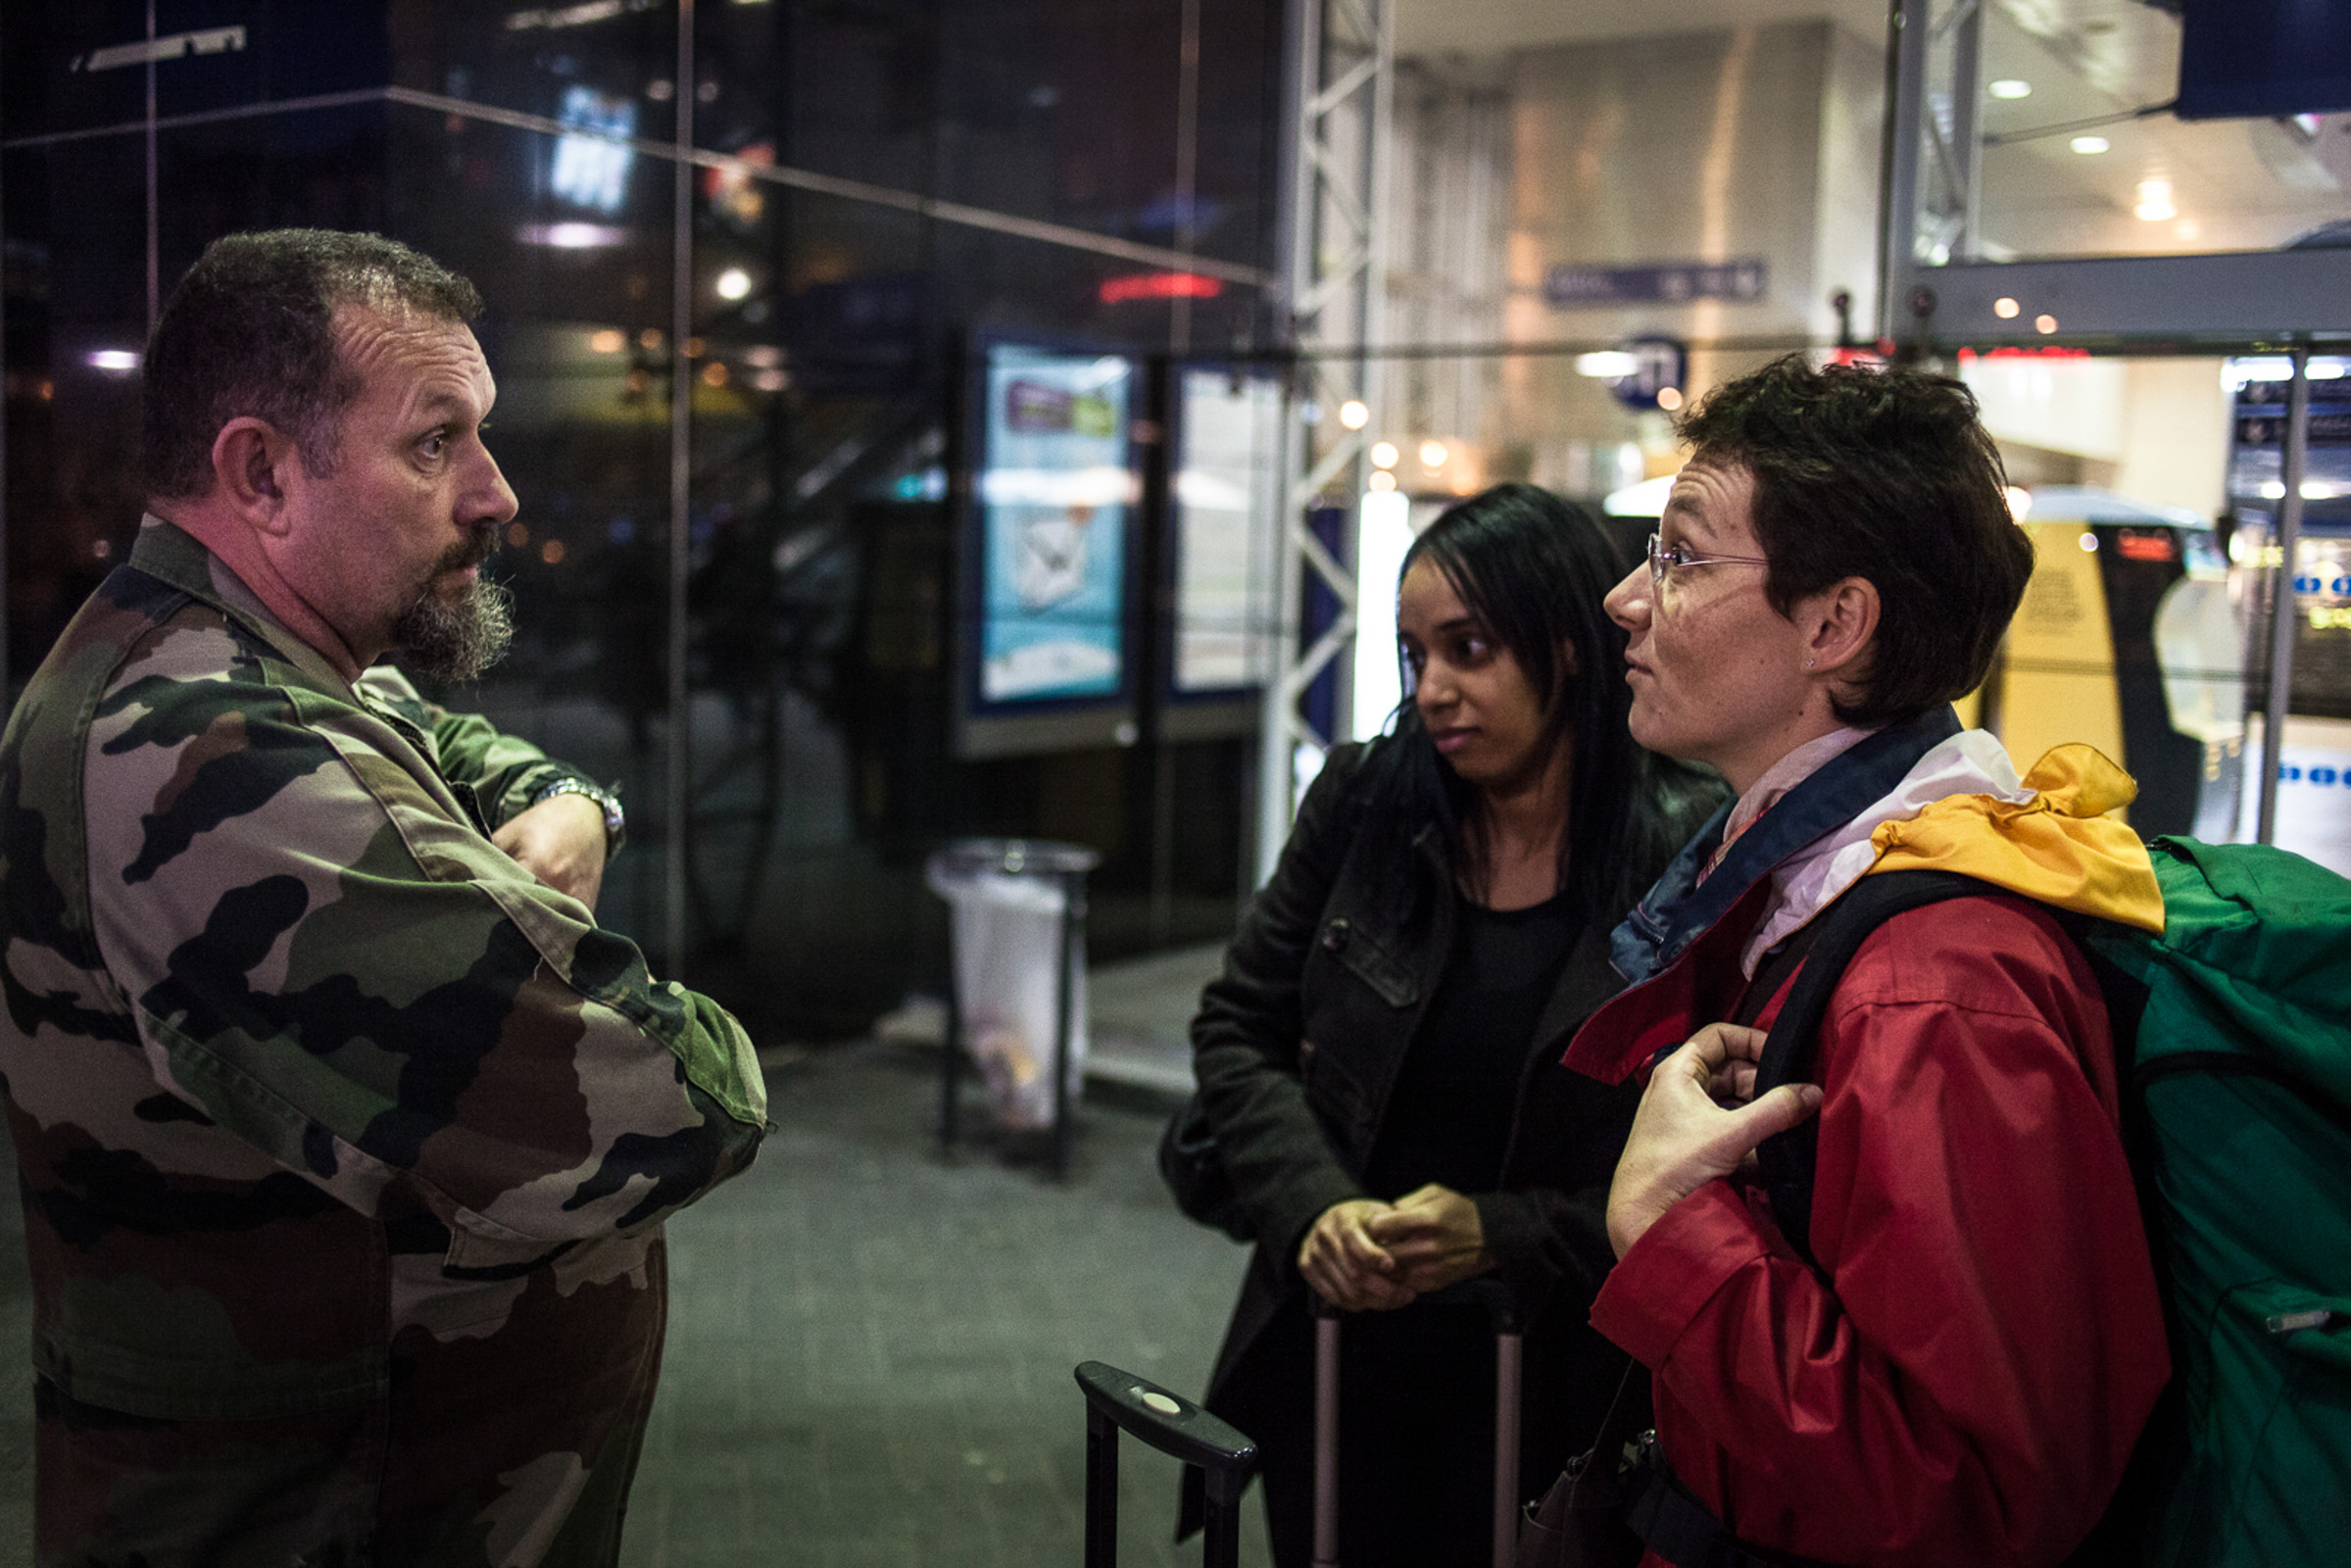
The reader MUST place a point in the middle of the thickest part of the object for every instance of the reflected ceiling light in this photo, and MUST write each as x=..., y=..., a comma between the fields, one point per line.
x=573, y=237
x=1608, y=364
x=2010, y=87
x=1669, y=398
x=714, y=374
x=579, y=16
x=1382, y=454
x=772, y=381
x=609, y=340
x=113, y=361
x=733, y=284
x=650, y=339
x=2044, y=324
x=1353, y=415
x=767, y=356
x=1381, y=480
x=2155, y=205
x=1432, y=454
x=2005, y=307
x=2087, y=145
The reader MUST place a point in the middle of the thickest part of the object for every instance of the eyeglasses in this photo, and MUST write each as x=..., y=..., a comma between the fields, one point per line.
x=1665, y=558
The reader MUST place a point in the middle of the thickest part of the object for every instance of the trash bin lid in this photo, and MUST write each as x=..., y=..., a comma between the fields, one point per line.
x=1013, y=857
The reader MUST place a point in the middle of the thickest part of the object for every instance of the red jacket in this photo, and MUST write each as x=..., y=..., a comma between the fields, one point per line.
x=1967, y=1384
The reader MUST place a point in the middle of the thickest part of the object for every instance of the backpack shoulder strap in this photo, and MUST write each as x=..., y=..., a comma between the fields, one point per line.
x=1791, y=1051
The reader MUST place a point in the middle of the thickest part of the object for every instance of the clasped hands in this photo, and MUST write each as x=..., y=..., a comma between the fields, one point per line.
x=1366, y=1255
x=1698, y=1120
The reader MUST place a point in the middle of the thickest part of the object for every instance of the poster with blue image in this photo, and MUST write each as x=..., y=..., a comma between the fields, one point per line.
x=1053, y=497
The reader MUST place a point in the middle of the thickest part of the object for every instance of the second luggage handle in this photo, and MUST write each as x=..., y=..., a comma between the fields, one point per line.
x=1173, y=1425
x=1504, y=1312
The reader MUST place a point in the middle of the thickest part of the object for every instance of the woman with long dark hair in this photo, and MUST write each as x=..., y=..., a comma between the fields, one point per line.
x=1379, y=1062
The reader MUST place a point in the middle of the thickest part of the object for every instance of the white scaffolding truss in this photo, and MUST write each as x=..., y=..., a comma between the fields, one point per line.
x=1343, y=53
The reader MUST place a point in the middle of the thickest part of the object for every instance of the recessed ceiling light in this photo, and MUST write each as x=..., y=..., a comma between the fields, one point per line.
x=2005, y=307
x=2010, y=87
x=2087, y=145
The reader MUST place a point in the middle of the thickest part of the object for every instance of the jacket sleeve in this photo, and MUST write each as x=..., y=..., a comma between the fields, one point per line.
x=1247, y=1052
x=1543, y=1240
x=327, y=959
x=503, y=771
x=1966, y=1384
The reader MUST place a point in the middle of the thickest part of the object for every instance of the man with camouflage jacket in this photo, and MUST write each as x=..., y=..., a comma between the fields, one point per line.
x=345, y=1134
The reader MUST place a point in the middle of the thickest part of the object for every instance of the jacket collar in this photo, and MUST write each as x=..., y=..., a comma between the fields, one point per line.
x=1679, y=907
x=171, y=555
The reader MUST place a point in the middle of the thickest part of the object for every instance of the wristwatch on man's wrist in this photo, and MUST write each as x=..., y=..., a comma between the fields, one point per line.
x=615, y=821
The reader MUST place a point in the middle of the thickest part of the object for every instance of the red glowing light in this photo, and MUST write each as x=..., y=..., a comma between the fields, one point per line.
x=2023, y=352
x=1160, y=286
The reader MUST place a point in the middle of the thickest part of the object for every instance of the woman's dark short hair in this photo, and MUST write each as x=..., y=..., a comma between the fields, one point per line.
x=1886, y=475
x=1534, y=569
x=250, y=331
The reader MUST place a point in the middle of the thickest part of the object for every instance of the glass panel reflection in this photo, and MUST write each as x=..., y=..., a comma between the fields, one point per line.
x=2082, y=156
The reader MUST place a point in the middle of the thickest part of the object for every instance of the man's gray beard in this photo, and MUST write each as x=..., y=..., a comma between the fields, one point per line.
x=457, y=639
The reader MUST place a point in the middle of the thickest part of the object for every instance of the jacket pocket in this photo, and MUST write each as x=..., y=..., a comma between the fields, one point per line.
x=1333, y=1093
x=1369, y=962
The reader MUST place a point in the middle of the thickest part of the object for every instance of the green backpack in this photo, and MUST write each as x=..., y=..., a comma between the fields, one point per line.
x=2236, y=1026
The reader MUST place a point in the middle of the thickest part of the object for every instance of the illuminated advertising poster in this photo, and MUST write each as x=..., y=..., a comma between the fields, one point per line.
x=1054, y=502
x=1227, y=495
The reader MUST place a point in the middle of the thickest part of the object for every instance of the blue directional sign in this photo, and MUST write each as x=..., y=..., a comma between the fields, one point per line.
x=1650, y=366
x=1741, y=280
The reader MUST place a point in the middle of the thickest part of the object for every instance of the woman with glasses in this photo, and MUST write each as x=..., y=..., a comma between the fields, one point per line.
x=1380, y=1060
x=1946, y=1354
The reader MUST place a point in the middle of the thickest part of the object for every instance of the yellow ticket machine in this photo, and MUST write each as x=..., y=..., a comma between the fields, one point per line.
x=2126, y=639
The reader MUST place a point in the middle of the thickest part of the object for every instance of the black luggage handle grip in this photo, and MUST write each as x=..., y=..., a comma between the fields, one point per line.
x=1168, y=1422
x=1118, y=1402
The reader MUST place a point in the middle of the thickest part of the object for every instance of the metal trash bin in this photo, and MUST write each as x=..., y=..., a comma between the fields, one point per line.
x=1018, y=1000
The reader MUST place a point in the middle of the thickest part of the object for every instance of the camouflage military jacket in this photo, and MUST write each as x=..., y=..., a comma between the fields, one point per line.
x=345, y=1142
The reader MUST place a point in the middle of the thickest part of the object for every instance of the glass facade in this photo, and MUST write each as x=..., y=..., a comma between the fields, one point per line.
x=2067, y=116
x=870, y=189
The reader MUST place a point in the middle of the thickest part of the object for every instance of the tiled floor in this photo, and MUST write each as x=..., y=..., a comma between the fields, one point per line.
x=871, y=1346
x=870, y=1359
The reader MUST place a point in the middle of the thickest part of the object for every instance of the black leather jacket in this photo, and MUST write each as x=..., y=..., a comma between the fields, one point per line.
x=1298, y=1042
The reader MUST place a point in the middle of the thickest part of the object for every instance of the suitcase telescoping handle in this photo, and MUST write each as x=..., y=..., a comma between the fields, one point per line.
x=1504, y=1311
x=1173, y=1425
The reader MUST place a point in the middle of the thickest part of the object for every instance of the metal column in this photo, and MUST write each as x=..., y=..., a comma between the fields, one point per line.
x=2292, y=454
x=1342, y=58
x=1899, y=202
